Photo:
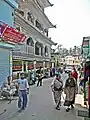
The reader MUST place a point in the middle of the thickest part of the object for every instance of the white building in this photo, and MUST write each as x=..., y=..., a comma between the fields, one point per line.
x=32, y=21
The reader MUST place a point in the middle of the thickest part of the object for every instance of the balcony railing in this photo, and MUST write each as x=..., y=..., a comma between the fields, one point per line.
x=22, y=54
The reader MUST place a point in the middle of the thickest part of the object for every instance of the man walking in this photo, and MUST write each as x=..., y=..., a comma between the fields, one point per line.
x=22, y=87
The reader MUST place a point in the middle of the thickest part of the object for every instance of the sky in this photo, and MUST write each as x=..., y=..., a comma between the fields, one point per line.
x=72, y=18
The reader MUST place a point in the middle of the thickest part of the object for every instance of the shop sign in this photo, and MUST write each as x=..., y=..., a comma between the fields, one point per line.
x=30, y=66
x=17, y=66
x=85, y=43
x=10, y=34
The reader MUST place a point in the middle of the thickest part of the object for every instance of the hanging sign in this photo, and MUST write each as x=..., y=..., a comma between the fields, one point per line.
x=10, y=34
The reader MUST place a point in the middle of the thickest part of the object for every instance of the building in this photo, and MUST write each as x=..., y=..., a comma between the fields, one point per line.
x=36, y=50
x=8, y=37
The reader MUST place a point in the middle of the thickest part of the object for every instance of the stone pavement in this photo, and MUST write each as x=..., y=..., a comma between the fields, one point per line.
x=40, y=107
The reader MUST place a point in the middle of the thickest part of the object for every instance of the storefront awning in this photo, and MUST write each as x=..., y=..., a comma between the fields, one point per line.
x=6, y=45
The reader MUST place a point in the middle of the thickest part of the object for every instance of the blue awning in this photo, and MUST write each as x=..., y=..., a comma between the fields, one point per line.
x=6, y=45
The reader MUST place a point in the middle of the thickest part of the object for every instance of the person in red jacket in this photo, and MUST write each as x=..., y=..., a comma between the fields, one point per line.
x=75, y=74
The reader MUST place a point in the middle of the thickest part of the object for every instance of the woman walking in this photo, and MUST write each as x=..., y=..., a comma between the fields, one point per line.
x=57, y=86
x=70, y=90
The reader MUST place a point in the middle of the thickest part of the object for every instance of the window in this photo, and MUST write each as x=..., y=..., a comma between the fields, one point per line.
x=21, y=12
x=30, y=17
x=39, y=26
x=30, y=42
x=36, y=50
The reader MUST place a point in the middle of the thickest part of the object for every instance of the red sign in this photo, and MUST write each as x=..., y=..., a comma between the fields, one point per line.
x=12, y=35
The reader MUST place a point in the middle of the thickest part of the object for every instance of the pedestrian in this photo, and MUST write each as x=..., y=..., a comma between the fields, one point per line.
x=57, y=88
x=22, y=87
x=50, y=72
x=75, y=74
x=40, y=77
x=53, y=71
x=70, y=90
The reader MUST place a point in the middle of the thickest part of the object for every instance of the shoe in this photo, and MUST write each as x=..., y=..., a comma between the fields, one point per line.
x=23, y=108
x=72, y=106
x=57, y=108
x=67, y=110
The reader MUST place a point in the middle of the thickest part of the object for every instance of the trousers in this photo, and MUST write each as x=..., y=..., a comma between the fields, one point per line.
x=22, y=102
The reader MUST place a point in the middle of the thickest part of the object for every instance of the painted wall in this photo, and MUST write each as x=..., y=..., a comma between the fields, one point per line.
x=7, y=11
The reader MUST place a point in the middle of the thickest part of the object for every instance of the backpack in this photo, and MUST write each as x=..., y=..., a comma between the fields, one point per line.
x=58, y=85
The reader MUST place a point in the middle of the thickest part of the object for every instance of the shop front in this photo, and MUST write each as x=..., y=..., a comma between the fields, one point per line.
x=17, y=65
x=30, y=65
x=9, y=37
x=47, y=64
x=38, y=64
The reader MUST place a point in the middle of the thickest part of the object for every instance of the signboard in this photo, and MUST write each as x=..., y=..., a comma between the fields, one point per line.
x=30, y=65
x=85, y=43
x=17, y=66
x=10, y=34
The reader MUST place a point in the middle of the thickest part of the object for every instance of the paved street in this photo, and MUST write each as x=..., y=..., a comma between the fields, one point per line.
x=41, y=107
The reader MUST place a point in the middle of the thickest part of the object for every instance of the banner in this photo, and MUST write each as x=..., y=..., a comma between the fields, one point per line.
x=10, y=34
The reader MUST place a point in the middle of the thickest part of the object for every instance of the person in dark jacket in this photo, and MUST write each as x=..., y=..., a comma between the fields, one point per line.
x=70, y=90
x=39, y=77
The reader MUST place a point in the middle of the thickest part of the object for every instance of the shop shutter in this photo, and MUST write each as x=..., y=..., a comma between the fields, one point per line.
x=4, y=65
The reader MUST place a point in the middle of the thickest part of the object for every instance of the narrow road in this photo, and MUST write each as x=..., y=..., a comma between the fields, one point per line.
x=40, y=107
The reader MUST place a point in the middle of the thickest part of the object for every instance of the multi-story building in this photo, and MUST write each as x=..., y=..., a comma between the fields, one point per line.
x=7, y=37
x=36, y=50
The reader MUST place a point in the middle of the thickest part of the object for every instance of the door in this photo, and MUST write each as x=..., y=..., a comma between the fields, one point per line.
x=4, y=65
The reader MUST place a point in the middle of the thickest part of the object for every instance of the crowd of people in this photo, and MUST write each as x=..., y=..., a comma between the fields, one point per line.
x=57, y=86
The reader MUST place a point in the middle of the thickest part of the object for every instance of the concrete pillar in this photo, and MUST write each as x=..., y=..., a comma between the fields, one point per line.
x=34, y=64
x=34, y=47
x=22, y=66
x=40, y=51
x=43, y=64
x=11, y=65
x=52, y=65
x=26, y=66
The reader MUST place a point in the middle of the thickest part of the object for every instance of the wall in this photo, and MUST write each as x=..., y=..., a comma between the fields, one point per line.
x=7, y=11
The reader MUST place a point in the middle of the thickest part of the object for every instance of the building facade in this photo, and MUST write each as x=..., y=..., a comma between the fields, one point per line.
x=6, y=17
x=36, y=50
x=8, y=37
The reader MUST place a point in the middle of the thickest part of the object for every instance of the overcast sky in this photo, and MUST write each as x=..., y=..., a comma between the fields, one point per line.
x=72, y=18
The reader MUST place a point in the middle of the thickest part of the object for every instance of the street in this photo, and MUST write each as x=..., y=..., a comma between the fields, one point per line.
x=40, y=107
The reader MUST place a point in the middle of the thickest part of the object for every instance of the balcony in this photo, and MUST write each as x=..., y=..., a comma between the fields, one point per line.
x=29, y=17
x=22, y=54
